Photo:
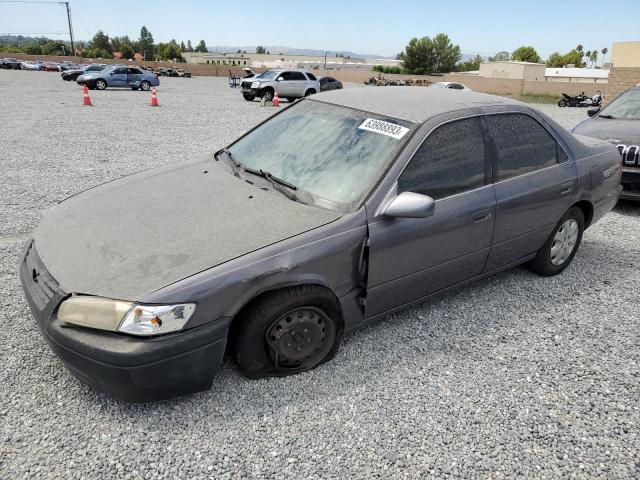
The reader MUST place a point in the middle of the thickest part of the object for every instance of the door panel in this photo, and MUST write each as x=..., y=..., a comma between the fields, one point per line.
x=528, y=208
x=410, y=258
x=535, y=185
x=118, y=78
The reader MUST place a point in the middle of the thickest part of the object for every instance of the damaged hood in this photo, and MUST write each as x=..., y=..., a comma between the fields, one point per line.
x=132, y=236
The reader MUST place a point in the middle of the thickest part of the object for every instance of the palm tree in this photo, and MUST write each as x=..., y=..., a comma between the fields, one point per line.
x=588, y=56
x=604, y=52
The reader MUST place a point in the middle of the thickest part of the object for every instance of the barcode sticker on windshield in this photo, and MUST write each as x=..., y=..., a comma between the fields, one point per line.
x=385, y=128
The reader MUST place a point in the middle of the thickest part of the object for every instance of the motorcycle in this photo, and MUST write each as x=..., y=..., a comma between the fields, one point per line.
x=569, y=101
x=594, y=101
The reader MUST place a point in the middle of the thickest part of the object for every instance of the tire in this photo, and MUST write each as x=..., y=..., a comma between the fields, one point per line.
x=287, y=332
x=100, y=84
x=267, y=95
x=145, y=86
x=248, y=97
x=562, y=103
x=134, y=88
x=311, y=91
x=561, y=246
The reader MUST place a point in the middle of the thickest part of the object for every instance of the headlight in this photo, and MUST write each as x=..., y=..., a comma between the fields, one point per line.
x=255, y=84
x=156, y=319
x=126, y=317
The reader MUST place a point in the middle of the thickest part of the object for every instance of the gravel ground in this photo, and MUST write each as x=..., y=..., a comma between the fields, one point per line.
x=514, y=376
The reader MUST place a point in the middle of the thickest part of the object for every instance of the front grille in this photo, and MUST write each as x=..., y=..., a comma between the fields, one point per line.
x=41, y=287
x=630, y=155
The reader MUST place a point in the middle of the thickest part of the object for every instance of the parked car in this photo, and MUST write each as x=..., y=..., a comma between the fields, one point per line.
x=329, y=83
x=452, y=85
x=64, y=66
x=119, y=76
x=28, y=65
x=335, y=212
x=50, y=67
x=73, y=74
x=11, y=64
x=619, y=124
x=290, y=84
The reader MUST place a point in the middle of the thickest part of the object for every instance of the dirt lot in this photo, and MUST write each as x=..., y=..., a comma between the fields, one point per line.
x=516, y=376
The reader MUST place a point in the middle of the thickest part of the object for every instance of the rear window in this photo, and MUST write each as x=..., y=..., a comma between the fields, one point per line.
x=311, y=76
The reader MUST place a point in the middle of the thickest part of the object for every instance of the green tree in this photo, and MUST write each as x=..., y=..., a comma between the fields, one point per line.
x=100, y=41
x=593, y=57
x=470, y=65
x=189, y=46
x=500, y=57
x=572, y=58
x=169, y=51
x=183, y=47
x=525, y=54
x=201, y=47
x=555, y=60
x=260, y=49
x=145, y=44
x=425, y=55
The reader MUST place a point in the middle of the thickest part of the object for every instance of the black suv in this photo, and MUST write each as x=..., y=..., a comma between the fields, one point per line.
x=619, y=123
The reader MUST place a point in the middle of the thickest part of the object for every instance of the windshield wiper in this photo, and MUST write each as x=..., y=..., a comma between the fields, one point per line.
x=276, y=183
x=234, y=164
x=610, y=117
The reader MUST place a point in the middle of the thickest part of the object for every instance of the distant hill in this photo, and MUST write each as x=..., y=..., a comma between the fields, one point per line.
x=276, y=50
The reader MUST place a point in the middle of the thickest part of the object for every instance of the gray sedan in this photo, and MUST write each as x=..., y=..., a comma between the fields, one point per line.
x=329, y=83
x=330, y=215
x=119, y=76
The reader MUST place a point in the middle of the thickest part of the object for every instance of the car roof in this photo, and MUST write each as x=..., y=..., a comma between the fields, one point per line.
x=415, y=104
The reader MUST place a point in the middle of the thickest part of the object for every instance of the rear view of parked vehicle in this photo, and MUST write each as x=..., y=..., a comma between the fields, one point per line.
x=119, y=77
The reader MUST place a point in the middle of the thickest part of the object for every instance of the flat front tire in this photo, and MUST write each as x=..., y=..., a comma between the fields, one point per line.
x=561, y=246
x=287, y=332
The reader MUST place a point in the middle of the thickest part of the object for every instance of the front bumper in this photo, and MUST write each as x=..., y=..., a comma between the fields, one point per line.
x=630, y=183
x=125, y=367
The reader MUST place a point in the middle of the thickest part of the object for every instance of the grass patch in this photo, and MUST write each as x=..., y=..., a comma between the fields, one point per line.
x=535, y=98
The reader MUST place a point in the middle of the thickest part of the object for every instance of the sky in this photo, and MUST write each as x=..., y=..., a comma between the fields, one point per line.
x=370, y=27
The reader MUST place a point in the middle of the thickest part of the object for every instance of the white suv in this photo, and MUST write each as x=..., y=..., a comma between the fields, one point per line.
x=289, y=84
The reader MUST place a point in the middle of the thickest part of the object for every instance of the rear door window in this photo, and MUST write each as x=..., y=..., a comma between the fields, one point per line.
x=311, y=76
x=296, y=76
x=520, y=144
x=450, y=161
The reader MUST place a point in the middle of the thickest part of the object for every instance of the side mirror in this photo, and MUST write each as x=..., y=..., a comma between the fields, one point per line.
x=409, y=205
x=592, y=111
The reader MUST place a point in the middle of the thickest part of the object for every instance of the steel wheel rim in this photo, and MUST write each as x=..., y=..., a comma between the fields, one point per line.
x=300, y=339
x=564, y=242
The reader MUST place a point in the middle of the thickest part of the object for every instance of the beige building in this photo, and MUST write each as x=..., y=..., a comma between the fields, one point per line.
x=625, y=54
x=514, y=70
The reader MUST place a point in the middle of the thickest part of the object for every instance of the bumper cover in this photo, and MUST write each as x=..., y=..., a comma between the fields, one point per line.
x=630, y=183
x=125, y=367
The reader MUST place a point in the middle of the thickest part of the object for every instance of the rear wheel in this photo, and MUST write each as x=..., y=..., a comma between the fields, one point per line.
x=100, y=84
x=311, y=91
x=287, y=332
x=561, y=246
x=145, y=86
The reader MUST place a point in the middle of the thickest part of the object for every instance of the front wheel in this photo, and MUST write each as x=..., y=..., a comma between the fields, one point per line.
x=287, y=332
x=100, y=84
x=267, y=95
x=561, y=246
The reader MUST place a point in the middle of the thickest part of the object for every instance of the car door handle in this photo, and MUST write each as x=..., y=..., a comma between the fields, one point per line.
x=566, y=188
x=481, y=216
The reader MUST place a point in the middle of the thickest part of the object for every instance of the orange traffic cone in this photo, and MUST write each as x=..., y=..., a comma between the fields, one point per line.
x=86, y=101
x=154, y=98
x=276, y=99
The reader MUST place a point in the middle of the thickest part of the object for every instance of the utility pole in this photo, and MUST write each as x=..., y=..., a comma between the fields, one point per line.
x=73, y=48
x=325, y=60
